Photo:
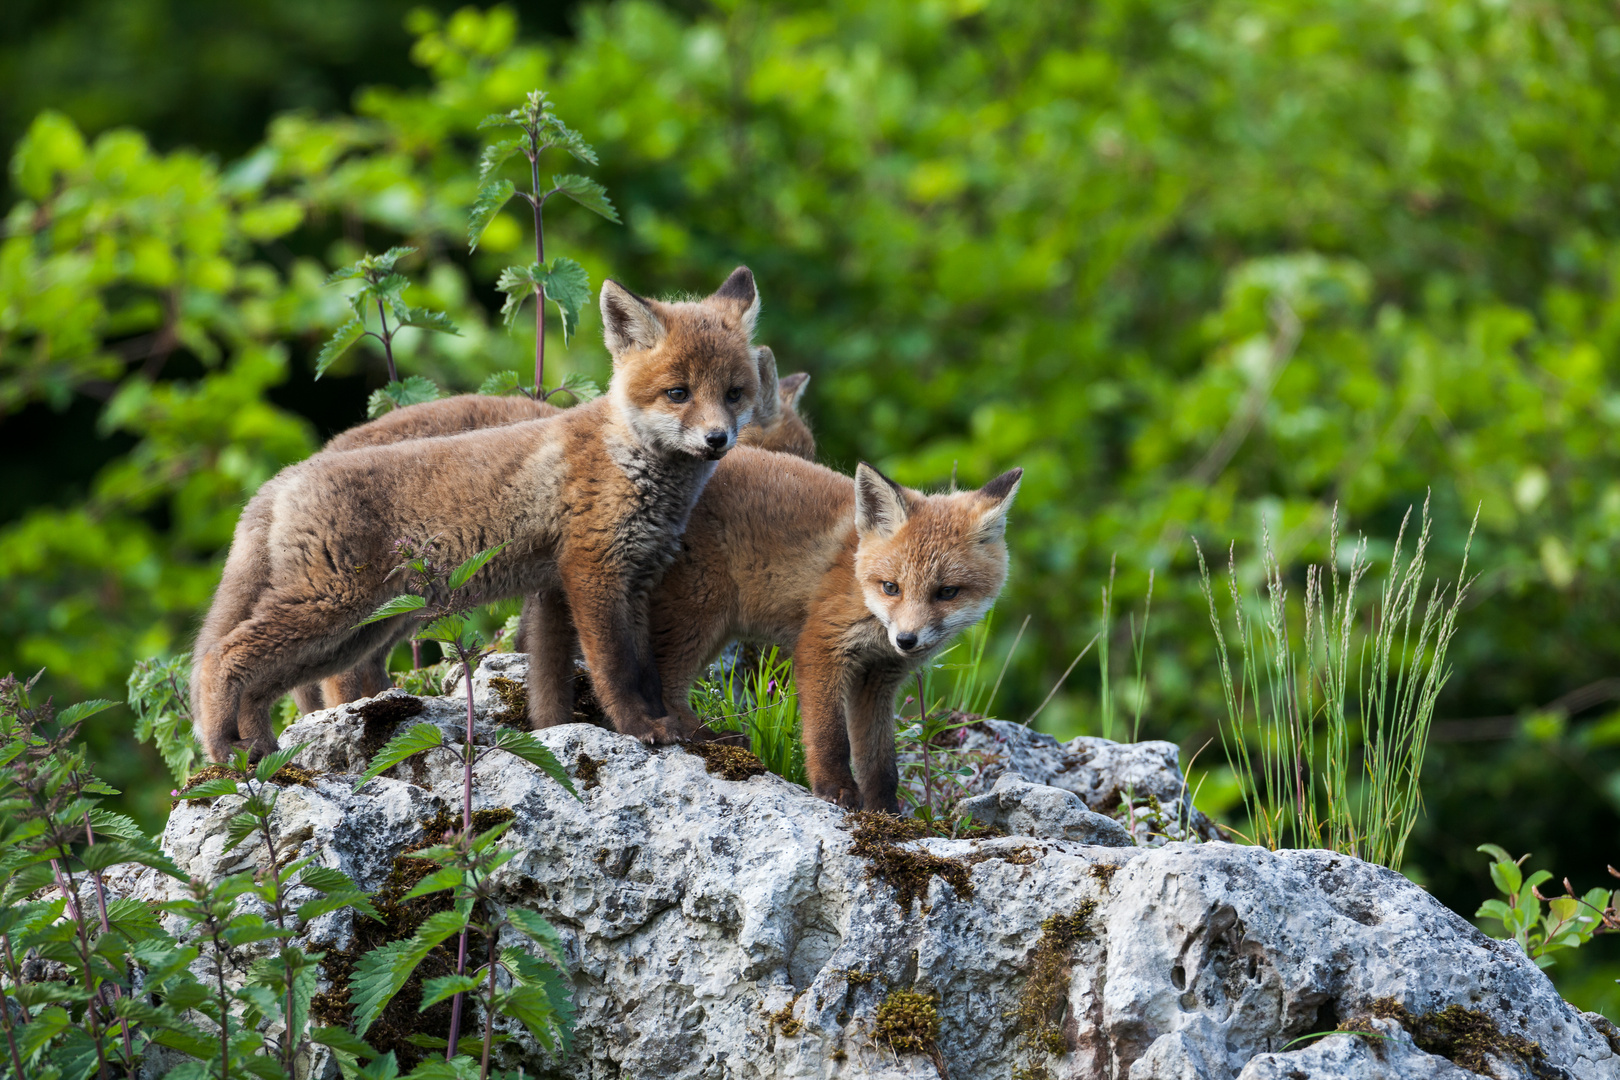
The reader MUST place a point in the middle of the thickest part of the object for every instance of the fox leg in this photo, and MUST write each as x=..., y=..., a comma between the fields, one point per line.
x=820, y=676
x=279, y=647
x=546, y=629
x=308, y=698
x=366, y=679
x=611, y=620
x=871, y=738
x=682, y=643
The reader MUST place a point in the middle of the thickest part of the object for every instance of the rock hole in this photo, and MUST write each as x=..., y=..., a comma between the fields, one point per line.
x=1254, y=968
x=1178, y=977
x=1327, y=1016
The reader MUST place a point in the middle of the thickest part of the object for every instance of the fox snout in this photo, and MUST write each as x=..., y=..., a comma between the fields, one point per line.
x=915, y=639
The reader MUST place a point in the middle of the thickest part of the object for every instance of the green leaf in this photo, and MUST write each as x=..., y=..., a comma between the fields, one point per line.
x=569, y=287
x=271, y=764
x=502, y=382
x=448, y=986
x=414, y=740
x=511, y=119
x=341, y=1039
x=74, y=713
x=463, y=573
x=518, y=283
x=1507, y=876
x=582, y=387
x=1496, y=852
x=446, y=877
x=448, y=629
x=423, y=319
x=412, y=390
x=588, y=193
x=380, y=973
x=464, y=1067
x=339, y=344
x=524, y=745
x=495, y=155
x=491, y=197
x=399, y=605
x=533, y=925
x=385, y=262
x=546, y=1017
x=563, y=137
x=212, y=789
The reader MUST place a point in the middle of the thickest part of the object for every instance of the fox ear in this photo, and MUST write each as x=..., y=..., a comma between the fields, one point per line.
x=628, y=321
x=880, y=505
x=791, y=389
x=769, y=406
x=739, y=288
x=999, y=495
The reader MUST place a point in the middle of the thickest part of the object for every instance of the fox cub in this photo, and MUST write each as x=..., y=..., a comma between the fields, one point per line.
x=863, y=580
x=591, y=505
x=777, y=425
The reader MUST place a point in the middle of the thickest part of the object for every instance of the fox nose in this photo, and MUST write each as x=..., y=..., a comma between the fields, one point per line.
x=907, y=641
x=717, y=440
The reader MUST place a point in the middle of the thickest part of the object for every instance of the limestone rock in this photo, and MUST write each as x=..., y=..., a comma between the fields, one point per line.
x=727, y=929
x=1045, y=813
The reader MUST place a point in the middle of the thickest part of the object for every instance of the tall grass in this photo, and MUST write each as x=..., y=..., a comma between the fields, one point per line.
x=762, y=701
x=1318, y=767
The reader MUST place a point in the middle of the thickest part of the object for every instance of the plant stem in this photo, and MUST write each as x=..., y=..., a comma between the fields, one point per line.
x=106, y=928
x=928, y=762
x=489, y=1006
x=466, y=833
x=224, y=1007
x=416, y=654
x=11, y=1041
x=91, y=1021
x=16, y=976
x=289, y=1045
x=388, y=343
x=540, y=259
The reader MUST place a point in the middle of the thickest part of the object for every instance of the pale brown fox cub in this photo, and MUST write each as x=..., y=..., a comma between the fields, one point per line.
x=777, y=425
x=863, y=580
x=590, y=504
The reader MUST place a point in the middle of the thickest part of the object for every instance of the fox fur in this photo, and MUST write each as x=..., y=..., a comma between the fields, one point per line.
x=786, y=552
x=777, y=425
x=591, y=505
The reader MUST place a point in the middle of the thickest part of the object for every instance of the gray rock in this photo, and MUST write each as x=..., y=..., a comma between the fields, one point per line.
x=725, y=929
x=1045, y=813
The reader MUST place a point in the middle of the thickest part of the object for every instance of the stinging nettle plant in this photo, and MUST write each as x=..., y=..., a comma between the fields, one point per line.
x=382, y=286
x=536, y=997
x=564, y=281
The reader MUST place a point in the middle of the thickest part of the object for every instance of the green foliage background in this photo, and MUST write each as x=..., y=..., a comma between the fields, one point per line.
x=1194, y=267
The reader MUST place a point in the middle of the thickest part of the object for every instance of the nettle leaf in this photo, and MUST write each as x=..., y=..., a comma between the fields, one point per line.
x=339, y=344
x=496, y=155
x=502, y=382
x=341, y=1039
x=463, y=573
x=352, y=272
x=388, y=287
x=491, y=197
x=399, y=605
x=385, y=262
x=84, y=709
x=533, y=925
x=408, y=743
x=448, y=986
x=511, y=119
x=382, y=972
x=518, y=283
x=588, y=193
x=582, y=387
x=412, y=390
x=211, y=789
x=424, y=319
x=569, y=287
x=562, y=136
x=448, y=629
x=271, y=764
x=523, y=744
x=446, y=877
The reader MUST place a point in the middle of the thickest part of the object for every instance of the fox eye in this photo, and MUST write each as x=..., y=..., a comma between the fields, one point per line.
x=949, y=592
x=679, y=393
x=890, y=589
x=734, y=395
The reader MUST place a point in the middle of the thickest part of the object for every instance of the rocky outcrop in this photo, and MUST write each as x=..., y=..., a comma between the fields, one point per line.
x=743, y=928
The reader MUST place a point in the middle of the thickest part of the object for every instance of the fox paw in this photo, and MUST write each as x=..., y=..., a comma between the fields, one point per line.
x=847, y=797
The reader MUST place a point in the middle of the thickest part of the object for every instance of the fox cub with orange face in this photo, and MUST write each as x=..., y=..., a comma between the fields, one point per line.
x=777, y=425
x=863, y=580
x=590, y=505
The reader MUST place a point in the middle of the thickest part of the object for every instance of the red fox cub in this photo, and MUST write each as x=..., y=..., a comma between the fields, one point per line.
x=864, y=581
x=590, y=504
x=777, y=426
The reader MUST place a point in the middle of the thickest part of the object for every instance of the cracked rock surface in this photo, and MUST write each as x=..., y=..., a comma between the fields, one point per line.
x=725, y=929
